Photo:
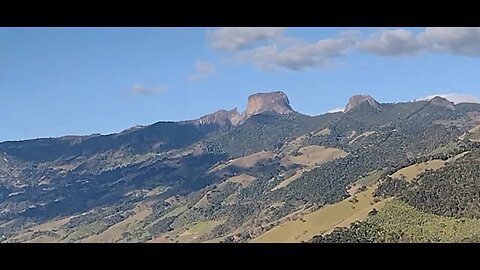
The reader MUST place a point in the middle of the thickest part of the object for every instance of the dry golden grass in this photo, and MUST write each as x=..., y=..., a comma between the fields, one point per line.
x=203, y=202
x=362, y=214
x=323, y=220
x=189, y=233
x=323, y=132
x=114, y=233
x=156, y=191
x=196, y=230
x=243, y=179
x=461, y=155
x=51, y=225
x=245, y=162
x=368, y=180
x=309, y=156
x=22, y=237
x=170, y=237
x=173, y=200
x=411, y=172
x=44, y=239
x=315, y=154
x=177, y=211
x=365, y=134
x=289, y=180
x=474, y=134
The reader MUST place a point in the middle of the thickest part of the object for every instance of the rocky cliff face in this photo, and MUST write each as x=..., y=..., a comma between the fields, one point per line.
x=356, y=100
x=276, y=102
x=222, y=118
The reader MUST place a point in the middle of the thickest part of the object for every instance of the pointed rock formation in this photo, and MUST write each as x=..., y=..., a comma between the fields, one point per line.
x=222, y=118
x=357, y=100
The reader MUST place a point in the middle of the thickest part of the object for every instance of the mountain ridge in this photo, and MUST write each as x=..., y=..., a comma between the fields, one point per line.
x=256, y=104
x=211, y=179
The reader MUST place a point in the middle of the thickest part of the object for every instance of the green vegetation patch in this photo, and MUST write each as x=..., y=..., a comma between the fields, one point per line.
x=400, y=222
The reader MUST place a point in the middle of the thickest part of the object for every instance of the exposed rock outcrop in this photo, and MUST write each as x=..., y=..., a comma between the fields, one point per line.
x=276, y=102
x=442, y=102
x=357, y=100
x=222, y=118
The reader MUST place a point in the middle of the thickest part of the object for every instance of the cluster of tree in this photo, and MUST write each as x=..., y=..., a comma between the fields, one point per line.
x=453, y=190
x=161, y=226
x=267, y=131
x=390, y=187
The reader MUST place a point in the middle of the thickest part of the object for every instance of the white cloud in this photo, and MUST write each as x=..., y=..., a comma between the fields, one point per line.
x=142, y=90
x=444, y=40
x=452, y=40
x=391, y=43
x=280, y=51
x=203, y=69
x=455, y=98
x=299, y=56
x=335, y=110
x=237, y=38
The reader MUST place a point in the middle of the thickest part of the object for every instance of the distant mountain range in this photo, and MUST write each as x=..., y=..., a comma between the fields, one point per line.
x=376, y=172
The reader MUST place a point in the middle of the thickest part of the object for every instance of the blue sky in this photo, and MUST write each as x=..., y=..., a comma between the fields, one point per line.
x=59, y=81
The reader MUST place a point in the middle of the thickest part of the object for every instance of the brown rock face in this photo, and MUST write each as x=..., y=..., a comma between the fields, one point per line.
x=222, y=117
x=442, y=102
x=276, y=102
x=355, y=101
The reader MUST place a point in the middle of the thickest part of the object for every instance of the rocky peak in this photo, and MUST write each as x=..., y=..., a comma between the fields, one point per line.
x=442, y=102
x=222, y=118
x=276, y=102
x=356, y=100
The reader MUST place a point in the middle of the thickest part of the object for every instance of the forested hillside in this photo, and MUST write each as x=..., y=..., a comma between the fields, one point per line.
x=397, y=172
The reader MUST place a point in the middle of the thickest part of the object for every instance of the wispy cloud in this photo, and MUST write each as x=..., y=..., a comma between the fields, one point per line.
x=391, y=43
x=438, y=40
x=142, y=90
x=202, y=70
x=269, y=48
x=298, y=56
x=237, y=38
x=455, y=98
x=335, y=110
x=451, y=40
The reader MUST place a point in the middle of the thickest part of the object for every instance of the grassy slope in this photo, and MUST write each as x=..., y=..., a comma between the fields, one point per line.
x=322, y=221
x=245, y=162
x=114, y=233
x=315, y=154
x=414, y=170
x=418, y=226
x=411, y=172
x=310, y=156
